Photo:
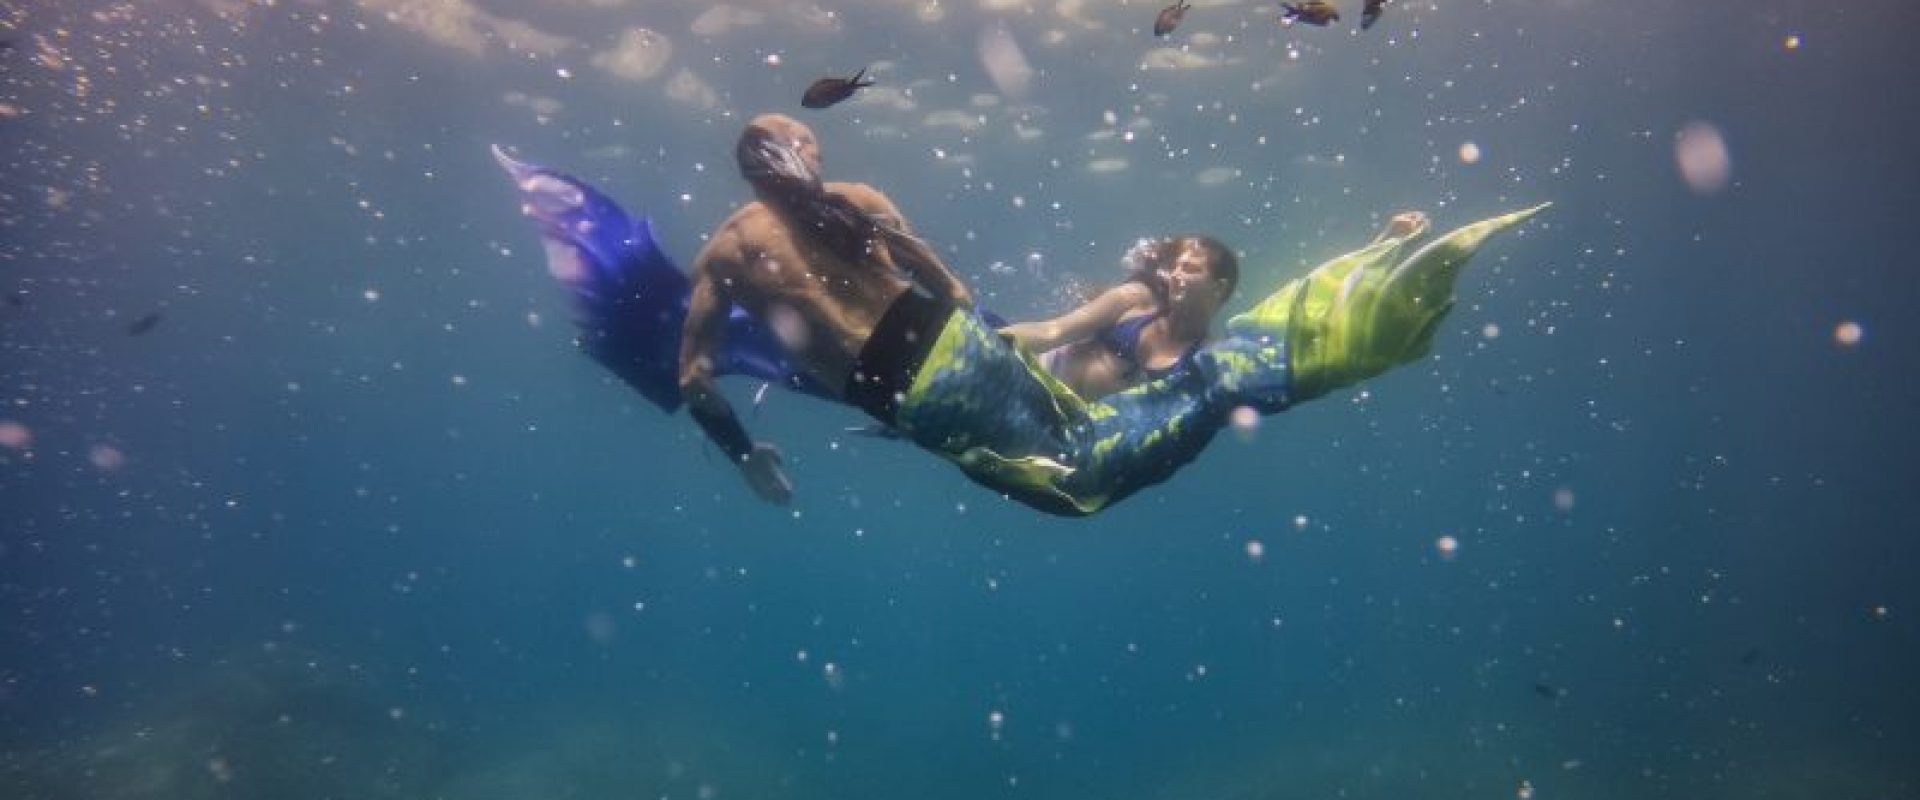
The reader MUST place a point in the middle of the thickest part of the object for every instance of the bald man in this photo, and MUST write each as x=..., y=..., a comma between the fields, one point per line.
x=820, y=263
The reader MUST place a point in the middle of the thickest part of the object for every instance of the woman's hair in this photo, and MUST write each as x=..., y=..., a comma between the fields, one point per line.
x=1149, y=261
x=772, y=165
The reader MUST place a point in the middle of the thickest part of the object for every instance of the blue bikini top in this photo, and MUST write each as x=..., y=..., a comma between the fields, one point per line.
x=1123, y=340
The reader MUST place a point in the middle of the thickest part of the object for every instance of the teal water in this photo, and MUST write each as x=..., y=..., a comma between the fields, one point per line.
x=351, y=518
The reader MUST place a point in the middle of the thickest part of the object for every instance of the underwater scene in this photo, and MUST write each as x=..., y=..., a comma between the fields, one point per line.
x=489, y=399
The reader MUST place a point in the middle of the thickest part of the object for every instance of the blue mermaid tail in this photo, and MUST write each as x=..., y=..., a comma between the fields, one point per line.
x=629, y=299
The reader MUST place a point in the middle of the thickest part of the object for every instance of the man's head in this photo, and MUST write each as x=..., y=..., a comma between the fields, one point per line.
x=778, y=152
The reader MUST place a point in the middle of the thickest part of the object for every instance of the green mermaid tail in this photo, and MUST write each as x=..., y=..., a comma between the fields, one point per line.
x=1366, y=312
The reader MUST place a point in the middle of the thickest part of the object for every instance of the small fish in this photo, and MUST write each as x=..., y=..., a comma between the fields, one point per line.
x=1549, y=692
x=1170, y=18
x=827, y=91
x=1312, y=12
x=1371, y=13
x=146, y=322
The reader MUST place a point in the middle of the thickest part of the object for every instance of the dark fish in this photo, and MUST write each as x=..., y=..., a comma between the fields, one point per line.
x=1371, y=13
x=1170, y=18
x=827, y=91
x=1549, y=692
x=145, y=323
x=1312, y=12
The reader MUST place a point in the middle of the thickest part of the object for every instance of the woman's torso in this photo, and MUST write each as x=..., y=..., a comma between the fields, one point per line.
x=1137, y=349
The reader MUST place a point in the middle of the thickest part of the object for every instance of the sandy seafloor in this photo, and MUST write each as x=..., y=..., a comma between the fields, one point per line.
x=305, y=492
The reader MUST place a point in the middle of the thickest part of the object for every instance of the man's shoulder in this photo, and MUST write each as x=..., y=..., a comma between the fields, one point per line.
x=860, y=193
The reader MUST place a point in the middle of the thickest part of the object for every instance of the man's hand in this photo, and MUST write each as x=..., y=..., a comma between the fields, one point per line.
x=761, y=468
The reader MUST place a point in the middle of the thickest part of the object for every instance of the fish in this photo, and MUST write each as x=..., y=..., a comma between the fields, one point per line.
x=828, y=91
x=1312, y=12
x=1170, y=18
x=145, y=323
x=1549, y=692
x=1371, y=13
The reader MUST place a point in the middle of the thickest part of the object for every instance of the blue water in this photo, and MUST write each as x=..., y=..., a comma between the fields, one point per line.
x=354, y=520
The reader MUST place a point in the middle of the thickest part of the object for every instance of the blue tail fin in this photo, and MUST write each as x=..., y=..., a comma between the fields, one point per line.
x=629, y=299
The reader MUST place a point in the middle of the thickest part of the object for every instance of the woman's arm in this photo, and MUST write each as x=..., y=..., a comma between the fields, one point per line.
x=1084, y=322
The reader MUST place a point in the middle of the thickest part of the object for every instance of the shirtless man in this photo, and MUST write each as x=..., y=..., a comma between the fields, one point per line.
x=820, y=262
x=870, y=315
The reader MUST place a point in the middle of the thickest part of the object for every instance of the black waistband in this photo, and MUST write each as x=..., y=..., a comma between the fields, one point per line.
x=894, y=352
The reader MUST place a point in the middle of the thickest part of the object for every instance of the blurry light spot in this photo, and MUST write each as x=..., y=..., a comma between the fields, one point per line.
x=1300, y=522
x=372, y=295
x=1702, y=157
x=600, y=627
x=563, y=72
x=1469, y=153
x=773, y=59
x=1490, y=331
x=1563, y=499
x=789, y=326
x=1793, y=41
x=1447, y=546
x=1246, y=422
x=1848, y=333
x=107, y=457
x=15, y=435
x=1005, y=64
x=1255, y=550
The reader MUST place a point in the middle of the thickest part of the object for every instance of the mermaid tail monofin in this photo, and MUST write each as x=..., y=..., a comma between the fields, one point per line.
x=629, y=299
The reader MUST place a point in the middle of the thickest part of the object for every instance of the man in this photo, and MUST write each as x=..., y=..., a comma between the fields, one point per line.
x=819, y=262
x=868, y=312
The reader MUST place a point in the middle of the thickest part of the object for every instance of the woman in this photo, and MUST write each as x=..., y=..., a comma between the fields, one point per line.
x=1144, y=328
x=1147, y=327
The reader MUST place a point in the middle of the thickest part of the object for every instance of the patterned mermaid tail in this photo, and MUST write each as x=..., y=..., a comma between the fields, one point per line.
x=1363, y=313
x=629, y=299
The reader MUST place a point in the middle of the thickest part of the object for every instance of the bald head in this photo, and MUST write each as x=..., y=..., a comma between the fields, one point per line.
x=778, y=150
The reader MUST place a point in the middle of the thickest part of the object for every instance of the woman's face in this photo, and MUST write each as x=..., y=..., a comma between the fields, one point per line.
x=1191, y=284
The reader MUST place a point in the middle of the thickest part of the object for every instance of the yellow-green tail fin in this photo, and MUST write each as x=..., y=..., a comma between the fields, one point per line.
x=1366, y=312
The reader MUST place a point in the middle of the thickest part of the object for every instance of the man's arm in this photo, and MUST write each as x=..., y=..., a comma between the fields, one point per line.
x=1081, y=323
x=700, y=341
x=910, y=252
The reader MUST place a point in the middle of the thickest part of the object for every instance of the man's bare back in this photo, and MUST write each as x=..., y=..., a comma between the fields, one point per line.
x=819, y=263
x=821, y=305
